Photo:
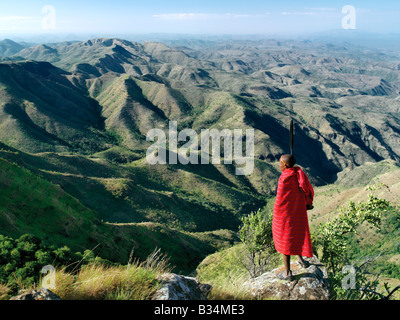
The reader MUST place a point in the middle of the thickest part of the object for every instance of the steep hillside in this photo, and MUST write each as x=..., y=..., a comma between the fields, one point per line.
x=378, y=245
x=188, y=198
x=30, y=204
x=351, y=186
x=40, y=110
x=9, y=47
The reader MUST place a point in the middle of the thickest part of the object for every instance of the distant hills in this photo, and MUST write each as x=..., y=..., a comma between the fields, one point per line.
x=9, y=47
x=344, y=100
x=77, y=113
x=43, y=111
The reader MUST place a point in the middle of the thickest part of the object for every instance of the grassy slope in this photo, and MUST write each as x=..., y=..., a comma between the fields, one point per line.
x=30, y=204
x=383, y=244
x=40, y=110
x=190, y=198
x=351, y=187
x=185, y=248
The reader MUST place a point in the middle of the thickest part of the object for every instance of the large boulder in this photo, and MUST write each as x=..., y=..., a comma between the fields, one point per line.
x=177, y=287
x=309, y=283
x=39, y=294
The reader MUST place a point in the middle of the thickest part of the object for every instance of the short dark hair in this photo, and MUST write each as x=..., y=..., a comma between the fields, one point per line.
x=289, y=160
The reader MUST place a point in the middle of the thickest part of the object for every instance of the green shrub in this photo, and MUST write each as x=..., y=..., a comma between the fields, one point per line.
x=333, y=236
x=22, y=259
x=256, y=235
x=332, y=242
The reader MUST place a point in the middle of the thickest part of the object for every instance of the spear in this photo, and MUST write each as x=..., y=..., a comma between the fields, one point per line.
x=291, y=137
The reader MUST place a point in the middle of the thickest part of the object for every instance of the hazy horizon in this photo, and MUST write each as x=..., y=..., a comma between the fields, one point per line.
x=288, y=17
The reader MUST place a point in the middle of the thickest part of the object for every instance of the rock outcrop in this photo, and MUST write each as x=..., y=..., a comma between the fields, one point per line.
x=177, y=287
x=39, y=294
x=309, y=283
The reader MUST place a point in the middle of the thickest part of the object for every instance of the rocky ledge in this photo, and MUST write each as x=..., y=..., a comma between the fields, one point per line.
x=177, y=287
x=309, y=283
x=37, y=294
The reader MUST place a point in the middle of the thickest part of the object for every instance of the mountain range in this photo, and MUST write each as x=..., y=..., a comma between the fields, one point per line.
x=76, y=114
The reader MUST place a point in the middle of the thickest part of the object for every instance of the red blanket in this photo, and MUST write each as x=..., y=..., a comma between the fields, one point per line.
x=290, y=223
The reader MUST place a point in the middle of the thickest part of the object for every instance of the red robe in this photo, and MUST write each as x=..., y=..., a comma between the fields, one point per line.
x=290, y=228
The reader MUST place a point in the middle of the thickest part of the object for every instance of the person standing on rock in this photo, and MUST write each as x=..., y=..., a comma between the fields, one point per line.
x=290, y=227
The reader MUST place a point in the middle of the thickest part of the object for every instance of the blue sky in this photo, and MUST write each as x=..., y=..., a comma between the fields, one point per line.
x=194, y=17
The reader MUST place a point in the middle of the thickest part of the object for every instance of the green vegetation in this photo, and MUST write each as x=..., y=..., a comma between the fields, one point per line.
x=73, y=125
x=225, y=273
x=99, y=281
x=337, y=244
x=364, y=235
x=77, y=275
x=186, y=250
x=333, y=236
x=22, y=260
x=228, y=269
x=31, y=204
x=256, y=235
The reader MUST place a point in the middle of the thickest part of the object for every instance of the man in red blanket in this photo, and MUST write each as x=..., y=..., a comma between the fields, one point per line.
x=290, y=228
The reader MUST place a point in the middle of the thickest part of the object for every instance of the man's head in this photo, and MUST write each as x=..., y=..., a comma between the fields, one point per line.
x=286, y=161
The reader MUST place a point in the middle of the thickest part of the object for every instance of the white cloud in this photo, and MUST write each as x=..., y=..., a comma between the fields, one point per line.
x=193, y=16
x=181, y=16
x=18, y=19
x=325, y=9
x=298, y=13
x=14, y=24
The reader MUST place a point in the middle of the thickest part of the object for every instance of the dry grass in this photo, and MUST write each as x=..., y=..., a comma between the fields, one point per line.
x=96, y=281
x=4, y=292
x=226, y=274
x=232, y=289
